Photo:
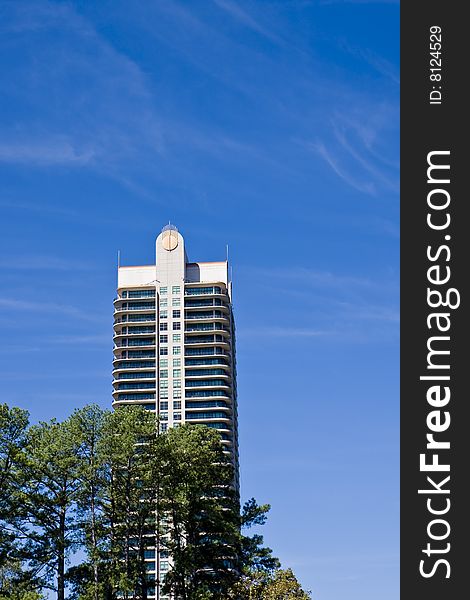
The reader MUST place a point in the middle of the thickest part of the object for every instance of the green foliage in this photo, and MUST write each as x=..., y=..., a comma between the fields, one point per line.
x=284, y=586
x=261, y=585
x=201, y=511
x=14, y=584
x=107, y=484
x=13, y=426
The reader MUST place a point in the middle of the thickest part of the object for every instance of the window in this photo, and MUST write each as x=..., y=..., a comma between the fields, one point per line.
x=177, y=362
x=176, y=372
x=163, y=394
x=175, y=289
x=163, y=565
x=163, y=326
x=164, y=384
x=164, y=554
x=164, y=374
x=177, y=417
x=177, y=337
x=163, y=302
x=176, y=393
x=164, y=362
x=150, y=566
x=176, y=405
x=163, y=314
x=176, y=302
x=163, y=405
x=176, y=326
x=163, y=416
x=149, y=553
x=163, y=339
x=163, y=291
x=163, y=426
x=176, y=314
x=164, y=351
x=177, y=383
x=176, y=350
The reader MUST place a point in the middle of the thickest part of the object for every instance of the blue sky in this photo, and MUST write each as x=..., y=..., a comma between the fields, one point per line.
x=271, y=126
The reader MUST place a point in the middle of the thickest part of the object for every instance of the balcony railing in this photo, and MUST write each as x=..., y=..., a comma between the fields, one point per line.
x=135, y=318
x=205, y=351
x=203, y=291
x=208, y=302
x=206, y=383
x=129, y=306
x=205, y=315
x=207, y=327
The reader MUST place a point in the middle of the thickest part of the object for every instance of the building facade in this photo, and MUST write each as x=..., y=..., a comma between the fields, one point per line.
x=174, y=346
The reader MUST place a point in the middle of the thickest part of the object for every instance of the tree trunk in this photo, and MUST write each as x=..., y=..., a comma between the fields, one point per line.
x=61, y=557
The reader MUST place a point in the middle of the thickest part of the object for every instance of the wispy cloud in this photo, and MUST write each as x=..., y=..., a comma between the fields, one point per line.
x=28, y=306
x=44, y=152
x=333, y=161
x=43, y=263
x=354, y=149
x=91, y=340
x=284, y=332
x=42, y=208
x=324, y=279
x=242, y=16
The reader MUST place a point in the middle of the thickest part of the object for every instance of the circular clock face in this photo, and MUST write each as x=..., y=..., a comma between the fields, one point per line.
x=169, y=240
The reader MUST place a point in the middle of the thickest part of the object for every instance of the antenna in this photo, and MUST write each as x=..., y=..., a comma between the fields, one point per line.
x=227, y=251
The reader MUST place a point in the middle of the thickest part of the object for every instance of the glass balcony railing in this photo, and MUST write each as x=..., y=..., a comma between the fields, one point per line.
x=214, y=404
x=148, y=364
x=207, y=327
x=140, y=375
x=203, y=291
x=136, y=306
x=205, y=351
x=207, y=394
x=138, y=294
x=196, y=303
x=135, y=318
x=136, y=342
x=205, y=415
x=205, y=372
x=193, y=362
x=206, y=383
x=216, y=314
x=136, y=386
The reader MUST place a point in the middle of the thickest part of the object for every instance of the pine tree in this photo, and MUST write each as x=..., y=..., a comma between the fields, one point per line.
x=201, y=513
x=48, y=493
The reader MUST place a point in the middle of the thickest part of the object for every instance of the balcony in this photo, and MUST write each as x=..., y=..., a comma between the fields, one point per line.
x=213, y=404
x=150, y=318
x=129, y=294
x=196, y=383
x=204, y=291
x=205, y=352
x=138, y=375
x=197, y=362
x=131, y=306
x=206, y=327
x=203, y=416
x=214, y=314
x=206, y=339
x=135, y=342
x=141, y=385
x=189, y=303
x=207, y=394
x=208, y=373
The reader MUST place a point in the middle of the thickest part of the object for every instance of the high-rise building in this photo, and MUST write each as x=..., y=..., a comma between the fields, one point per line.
x=174, y=344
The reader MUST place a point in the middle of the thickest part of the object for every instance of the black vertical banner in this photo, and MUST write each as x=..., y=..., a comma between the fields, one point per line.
x=435, y=252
